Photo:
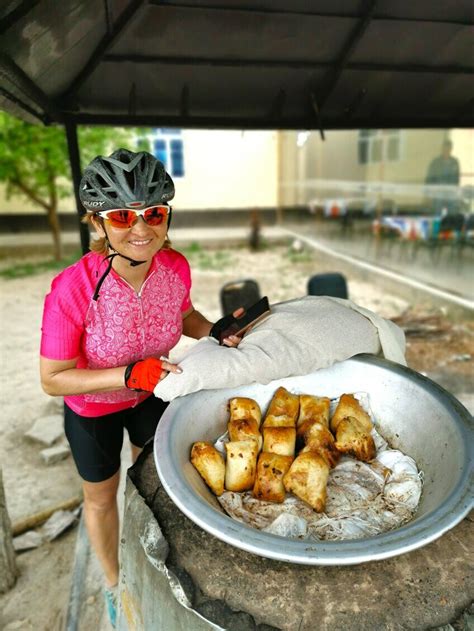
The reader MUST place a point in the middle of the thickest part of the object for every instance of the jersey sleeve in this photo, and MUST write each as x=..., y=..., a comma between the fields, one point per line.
x=63, y=321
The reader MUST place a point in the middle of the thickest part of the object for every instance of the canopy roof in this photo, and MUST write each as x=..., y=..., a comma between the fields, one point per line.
x=299, y=64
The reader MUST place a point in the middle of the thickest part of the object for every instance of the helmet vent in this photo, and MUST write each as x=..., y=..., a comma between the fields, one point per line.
x=101, y=181
x=130, y=178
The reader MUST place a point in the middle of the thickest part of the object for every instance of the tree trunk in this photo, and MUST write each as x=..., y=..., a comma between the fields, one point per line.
x=8, y=569
x=53, y=222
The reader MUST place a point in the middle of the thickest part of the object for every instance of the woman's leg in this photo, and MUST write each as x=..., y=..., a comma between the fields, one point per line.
x=102, y=521
x=95, y=445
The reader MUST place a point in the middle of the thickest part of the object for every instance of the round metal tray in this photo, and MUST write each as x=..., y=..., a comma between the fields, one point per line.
x=413, y=414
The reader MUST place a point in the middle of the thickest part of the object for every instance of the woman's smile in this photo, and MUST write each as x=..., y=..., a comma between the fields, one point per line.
x=139, y=242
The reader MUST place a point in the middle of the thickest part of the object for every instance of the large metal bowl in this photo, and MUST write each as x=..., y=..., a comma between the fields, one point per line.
x=414, y=414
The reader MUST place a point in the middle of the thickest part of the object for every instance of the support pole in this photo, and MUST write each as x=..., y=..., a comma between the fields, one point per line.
x=8, y=569
x=75, y=162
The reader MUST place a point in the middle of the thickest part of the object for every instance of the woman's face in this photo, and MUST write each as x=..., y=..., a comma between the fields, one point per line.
x=140, y=242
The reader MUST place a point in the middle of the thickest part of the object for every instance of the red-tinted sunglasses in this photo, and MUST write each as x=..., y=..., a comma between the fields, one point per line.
x=125, y=218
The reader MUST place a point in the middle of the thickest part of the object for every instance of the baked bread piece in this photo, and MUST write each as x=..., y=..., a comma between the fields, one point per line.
x=352, y=438
x=242, y=407
x=210, y=465
x=307, y=479
x=269, y=479
x=279, y=440
x=245, y=429
x=349, y=406
x=241, y=465
x=312, y=409
x=319, y=439
x=283, y=409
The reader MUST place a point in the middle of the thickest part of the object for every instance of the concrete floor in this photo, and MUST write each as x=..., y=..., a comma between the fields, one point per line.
x=452, y=274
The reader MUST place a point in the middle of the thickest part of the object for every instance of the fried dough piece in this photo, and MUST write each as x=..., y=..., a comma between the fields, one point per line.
x=241, y=465
x=352, y=438
x=319, y=439
x=283, y=409
x=269, y=479
x=242, y=407
x=210, y=465
x=245, y=429
x=312, y=409
x=307, y=479
x=279, y=440
x=349, y=406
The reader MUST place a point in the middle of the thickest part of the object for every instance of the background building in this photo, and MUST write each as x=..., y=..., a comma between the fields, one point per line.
x=350, y=166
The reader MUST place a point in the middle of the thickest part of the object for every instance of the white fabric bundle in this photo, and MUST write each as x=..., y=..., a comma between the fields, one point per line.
x=299, y=337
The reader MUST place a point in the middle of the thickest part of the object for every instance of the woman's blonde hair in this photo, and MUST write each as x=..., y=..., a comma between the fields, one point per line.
x=99, y=244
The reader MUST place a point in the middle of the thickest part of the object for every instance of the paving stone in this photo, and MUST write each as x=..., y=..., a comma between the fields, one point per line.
x=59, y=521
x=46, y=430
x=51, y=455
x=27, y=541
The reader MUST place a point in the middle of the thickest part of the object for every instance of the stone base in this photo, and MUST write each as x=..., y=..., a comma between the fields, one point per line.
x=237, y=590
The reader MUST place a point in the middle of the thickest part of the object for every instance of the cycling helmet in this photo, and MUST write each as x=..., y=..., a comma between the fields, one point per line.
x=125, y=178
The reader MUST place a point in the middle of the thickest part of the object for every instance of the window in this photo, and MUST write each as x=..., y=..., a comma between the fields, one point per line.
x=379, y=145
x=177, y=158
x=160, y=152
x=168, y=148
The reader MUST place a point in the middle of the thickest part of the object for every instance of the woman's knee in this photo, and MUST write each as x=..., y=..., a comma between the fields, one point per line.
x=101, y=496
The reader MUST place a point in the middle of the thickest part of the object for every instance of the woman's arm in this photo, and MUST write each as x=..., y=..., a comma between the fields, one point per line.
x=61, y=377
x=195, y=324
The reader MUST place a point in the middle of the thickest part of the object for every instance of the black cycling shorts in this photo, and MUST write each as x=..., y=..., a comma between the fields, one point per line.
x=96, y=442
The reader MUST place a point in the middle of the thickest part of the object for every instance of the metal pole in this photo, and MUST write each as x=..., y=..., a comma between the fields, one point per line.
x=75, y=162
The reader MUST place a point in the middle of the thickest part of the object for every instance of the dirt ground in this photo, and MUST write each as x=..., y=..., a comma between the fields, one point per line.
x=442, y=349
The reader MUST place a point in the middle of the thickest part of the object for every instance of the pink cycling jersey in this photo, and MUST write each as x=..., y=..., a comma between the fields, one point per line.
x=121, y=327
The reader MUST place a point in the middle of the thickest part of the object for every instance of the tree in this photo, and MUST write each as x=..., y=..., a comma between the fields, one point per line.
x=34, y=162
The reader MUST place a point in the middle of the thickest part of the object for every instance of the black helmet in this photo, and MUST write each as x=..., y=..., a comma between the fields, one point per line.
x=123, y=178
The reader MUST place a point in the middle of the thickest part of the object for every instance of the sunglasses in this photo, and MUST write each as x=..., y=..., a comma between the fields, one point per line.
x=125, y=218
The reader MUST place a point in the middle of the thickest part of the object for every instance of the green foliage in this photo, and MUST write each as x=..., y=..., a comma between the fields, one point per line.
x=299, y=257
x=21, y=270
x=192, y=249
x=29, y=154
x=206, y=259
x=34, y=159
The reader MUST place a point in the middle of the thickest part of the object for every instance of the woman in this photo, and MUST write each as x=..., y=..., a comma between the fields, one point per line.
x=109, y=323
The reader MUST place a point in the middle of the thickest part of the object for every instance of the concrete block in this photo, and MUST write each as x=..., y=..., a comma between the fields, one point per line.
x=46, y=430
x=51, y=455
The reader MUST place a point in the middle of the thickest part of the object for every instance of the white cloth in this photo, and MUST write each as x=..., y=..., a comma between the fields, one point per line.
x=299, y=337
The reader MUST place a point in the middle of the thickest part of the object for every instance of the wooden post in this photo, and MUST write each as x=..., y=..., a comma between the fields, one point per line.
x=8, y=569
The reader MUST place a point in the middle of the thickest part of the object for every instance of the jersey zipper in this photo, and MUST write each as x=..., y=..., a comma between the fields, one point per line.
x=139, y=298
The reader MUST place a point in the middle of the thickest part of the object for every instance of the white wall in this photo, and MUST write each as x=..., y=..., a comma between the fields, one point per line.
x=228, y=169
x=223, y=169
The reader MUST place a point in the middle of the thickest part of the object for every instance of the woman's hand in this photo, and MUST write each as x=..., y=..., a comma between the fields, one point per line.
x=146, y=373
x=223, y=327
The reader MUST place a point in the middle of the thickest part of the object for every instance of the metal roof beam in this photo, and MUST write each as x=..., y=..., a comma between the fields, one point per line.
x=283, y=63
x=16, y=14
x=22, y=82
x=331, y=79
x=213, y=122
x=106, y=42
x=26, y=108
x=270, y=11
